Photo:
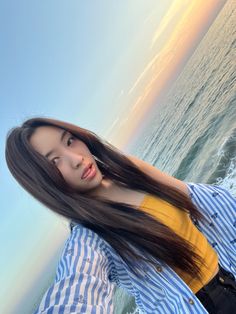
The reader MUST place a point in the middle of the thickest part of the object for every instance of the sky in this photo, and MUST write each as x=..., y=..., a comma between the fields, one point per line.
x=103, y=65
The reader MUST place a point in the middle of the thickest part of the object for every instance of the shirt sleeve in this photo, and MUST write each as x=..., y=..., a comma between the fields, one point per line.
x=213, y=201
x=82, y=283
x=201, y=192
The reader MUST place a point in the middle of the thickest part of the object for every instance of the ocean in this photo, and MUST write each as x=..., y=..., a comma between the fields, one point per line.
x=192, y=134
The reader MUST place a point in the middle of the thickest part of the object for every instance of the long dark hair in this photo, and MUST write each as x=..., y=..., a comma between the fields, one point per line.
x=134, y=234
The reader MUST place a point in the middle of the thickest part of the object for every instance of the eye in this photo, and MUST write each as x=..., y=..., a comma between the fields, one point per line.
x=70, y=140
x=55, y=160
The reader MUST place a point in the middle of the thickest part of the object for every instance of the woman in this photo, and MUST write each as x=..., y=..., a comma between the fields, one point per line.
x=168, y=243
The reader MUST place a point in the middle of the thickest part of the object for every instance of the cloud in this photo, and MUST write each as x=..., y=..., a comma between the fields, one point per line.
x=176, y=9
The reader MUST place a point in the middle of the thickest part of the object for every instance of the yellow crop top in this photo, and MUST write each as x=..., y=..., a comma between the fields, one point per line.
x=181, y=223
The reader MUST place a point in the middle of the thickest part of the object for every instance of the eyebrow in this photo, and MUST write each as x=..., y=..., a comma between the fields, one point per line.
x=63, y=134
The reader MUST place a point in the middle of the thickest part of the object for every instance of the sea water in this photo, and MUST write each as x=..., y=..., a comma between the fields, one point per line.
x=192, y=134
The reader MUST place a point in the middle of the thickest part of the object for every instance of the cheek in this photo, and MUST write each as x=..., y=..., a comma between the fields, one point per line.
x=69, y=177
x=64, y=172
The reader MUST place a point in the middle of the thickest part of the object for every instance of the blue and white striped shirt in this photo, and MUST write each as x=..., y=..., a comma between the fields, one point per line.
x=89, y=269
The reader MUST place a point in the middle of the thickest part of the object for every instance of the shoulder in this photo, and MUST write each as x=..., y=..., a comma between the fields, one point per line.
x=209, y=191
x=213, y=199
x=159, y=175
x=195, y=191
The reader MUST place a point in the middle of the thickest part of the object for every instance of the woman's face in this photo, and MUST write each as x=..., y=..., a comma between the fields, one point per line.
x=70, y=155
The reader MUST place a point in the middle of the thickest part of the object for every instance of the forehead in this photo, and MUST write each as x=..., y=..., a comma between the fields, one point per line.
x=46, y=138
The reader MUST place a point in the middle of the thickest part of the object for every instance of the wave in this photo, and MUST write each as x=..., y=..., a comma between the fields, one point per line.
x=225, y=171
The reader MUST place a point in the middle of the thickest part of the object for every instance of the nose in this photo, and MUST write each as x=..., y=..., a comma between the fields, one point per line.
x=74, y=160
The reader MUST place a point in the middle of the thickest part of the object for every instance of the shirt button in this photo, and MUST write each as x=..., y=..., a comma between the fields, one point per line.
x=221, y=279
x=81, y=298
x=191, y=301
x=159, y=268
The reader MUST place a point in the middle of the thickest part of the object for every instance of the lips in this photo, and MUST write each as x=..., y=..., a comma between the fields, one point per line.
x=86, y=171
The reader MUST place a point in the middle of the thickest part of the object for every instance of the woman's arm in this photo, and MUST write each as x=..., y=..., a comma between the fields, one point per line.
x=82, y=284
x=159, y=175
